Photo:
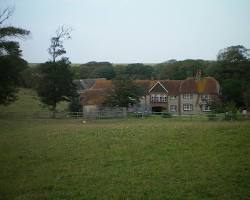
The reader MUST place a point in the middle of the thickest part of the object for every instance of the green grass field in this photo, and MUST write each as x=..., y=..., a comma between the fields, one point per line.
x=151, y=158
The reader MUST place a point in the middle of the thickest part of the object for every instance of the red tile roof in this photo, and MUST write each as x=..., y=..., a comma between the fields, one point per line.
x=98, y=92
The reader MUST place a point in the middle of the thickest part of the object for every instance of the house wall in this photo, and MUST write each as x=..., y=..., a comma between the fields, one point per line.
x=173, y=102
x=90, y=109
x=195, y=100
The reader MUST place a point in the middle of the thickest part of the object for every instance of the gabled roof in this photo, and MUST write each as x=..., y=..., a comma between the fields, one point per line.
x=93, y=97
x=83, y=84
x=102, y=84
x=158, y=83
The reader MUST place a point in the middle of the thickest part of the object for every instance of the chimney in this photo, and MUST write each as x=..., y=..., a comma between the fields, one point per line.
x=198, y=75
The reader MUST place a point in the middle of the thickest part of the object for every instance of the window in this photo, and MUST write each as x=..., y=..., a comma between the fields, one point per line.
x=206, y=108
x=205, y=97
x=187, y=96
x=152, y=98
x=173, y=108
x=172, y=97
x=164, y=98
x=158, y=98
x=187, y=107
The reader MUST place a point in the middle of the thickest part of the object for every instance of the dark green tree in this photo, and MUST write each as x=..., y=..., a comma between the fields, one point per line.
x=55, y=81
x=233, y=54
x=11, y=63
x=95, y=70
x=233, y=71
x=125, y=92
x=136, y=71
x=75, y=105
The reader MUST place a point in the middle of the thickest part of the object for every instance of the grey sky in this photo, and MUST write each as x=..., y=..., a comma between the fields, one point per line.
x=126, y=31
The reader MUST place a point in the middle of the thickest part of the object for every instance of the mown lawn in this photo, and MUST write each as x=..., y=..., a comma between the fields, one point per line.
x=124, y=159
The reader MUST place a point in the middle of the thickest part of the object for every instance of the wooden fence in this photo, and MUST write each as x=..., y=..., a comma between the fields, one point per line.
x=111, y=114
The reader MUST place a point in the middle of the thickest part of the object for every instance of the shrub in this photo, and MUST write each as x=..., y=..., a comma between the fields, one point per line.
x=166, y=115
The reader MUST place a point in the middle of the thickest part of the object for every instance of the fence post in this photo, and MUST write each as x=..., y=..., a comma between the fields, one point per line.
x=124, y=112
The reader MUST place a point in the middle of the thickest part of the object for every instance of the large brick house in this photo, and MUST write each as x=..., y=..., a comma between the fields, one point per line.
x=189, y=96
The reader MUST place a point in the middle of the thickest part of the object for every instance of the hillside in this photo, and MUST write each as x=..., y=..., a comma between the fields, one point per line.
x=29, y=101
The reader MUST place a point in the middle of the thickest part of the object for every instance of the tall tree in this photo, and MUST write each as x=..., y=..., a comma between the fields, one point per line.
x=233, y=73
x=55, y=83
x=56, y=48
x=233, y=54
x=11, y=63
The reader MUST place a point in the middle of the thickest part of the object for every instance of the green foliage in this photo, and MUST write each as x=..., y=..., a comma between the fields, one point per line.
x=232, y=91
x=55, y=83
x=29, y=77
x=74, y=105
x=166, y=115
x=125, y=92
x=11, y=63
x=230, y=111
x=233, y=72
x=246, y=96
x=94, y=70
x=233, y=54
x=136, y=71
x=10, y=69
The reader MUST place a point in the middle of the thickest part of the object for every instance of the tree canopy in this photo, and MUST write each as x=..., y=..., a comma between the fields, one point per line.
x=125, y=92
x=55, y=82
x=11, y=63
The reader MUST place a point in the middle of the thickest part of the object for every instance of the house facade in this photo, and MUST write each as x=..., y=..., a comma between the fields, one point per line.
x=179, y=97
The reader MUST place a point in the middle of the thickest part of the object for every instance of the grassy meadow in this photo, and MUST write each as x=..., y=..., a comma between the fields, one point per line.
x=151, y=158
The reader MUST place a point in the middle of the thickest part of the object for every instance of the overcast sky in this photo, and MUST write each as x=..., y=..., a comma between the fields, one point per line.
x=126, y=31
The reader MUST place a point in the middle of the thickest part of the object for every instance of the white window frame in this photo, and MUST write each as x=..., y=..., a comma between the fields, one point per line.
x=158, y=98
x=187, y=96
x=206, y=108
x=152, y=97
x=173, y=108
x=187, y=107
x=205, y=97
x=172, y=97
x=165, y=98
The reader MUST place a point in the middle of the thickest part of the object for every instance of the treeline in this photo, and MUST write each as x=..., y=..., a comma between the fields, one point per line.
x=231, y=69
x=167, y=70
x=136, y=71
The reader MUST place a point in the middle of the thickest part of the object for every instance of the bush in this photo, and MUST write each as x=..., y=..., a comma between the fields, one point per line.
x=230, y=115
x=230, y=111
x=166, y=115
